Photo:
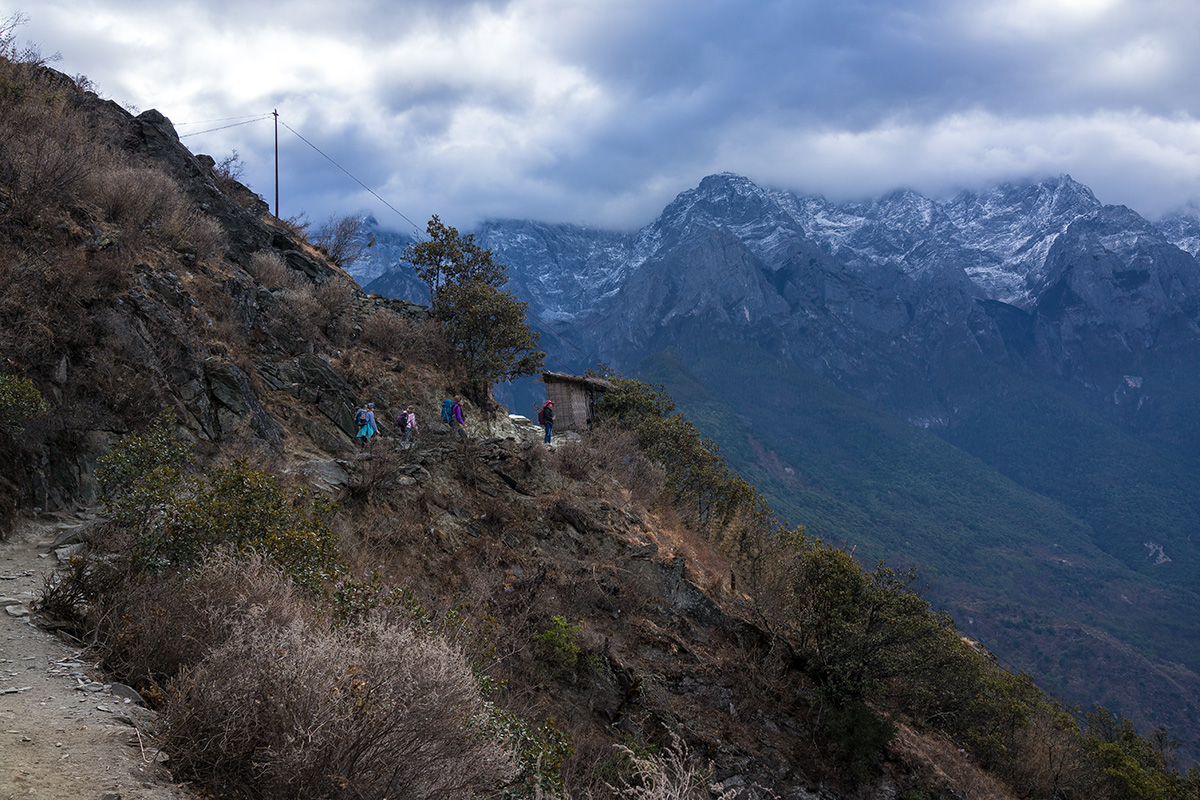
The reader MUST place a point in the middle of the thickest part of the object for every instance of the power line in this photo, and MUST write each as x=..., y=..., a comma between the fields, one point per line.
x=247, y=121
x=356, y=180
x=223, y=127
x=222, y=119
x=541, y=323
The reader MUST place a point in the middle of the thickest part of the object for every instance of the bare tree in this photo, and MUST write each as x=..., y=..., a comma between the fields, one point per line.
x=27, y=53
x=343, y=239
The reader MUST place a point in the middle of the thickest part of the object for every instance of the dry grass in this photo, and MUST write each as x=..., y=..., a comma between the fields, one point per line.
x=269, y=269
x=257, y=690
x=670, y=775
x=605, y=450
x=375, y=480
x=204, y=236
x=136, y=197
x=152, y=628
x=408, y=341
x=337, y=296
x=47, y=151
x=309, y=315
x=941, y=766
x=382, y=534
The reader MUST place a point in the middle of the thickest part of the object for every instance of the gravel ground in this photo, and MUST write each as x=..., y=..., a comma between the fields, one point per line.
x=64, y=731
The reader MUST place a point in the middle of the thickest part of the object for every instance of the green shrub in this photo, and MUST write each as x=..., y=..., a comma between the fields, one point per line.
x=19, y=401
x=706, y=490
x=1134, y=767
x=354, y=599
x=175, y=518
x=540, y=754
x=859, y=736
x=136, y=476
x=559, y=646
x=251, y=510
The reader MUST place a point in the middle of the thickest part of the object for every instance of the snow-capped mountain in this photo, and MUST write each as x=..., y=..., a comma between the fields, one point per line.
x=868, y=294
x=580, y=266
x=1012, y=229
x=849, y=356
x=1183, y=229
x=889, y=280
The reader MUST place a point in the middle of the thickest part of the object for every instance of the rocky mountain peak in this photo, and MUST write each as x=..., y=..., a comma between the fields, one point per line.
x=720, y=200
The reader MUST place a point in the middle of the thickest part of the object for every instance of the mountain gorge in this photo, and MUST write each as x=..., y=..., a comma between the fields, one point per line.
x=999, y=388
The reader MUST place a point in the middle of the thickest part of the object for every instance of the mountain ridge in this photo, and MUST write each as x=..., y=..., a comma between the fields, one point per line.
x=992, y=319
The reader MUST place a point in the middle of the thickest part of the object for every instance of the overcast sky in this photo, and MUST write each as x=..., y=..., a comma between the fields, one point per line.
x=601, y=111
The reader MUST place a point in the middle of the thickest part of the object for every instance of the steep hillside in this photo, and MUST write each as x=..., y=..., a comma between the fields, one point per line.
x=1049, y=339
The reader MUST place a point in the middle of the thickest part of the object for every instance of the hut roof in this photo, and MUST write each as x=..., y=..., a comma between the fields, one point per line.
x=581, y=380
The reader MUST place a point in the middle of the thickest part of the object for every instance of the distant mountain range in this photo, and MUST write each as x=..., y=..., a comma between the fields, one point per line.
x=1001, y=389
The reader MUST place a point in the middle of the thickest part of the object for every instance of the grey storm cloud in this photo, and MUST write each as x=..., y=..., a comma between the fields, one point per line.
x=600, y=111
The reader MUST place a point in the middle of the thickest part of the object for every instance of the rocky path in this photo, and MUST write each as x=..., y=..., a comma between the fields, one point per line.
x=64, y=732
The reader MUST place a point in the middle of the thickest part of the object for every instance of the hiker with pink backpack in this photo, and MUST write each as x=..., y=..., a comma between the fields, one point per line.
x=407, y=422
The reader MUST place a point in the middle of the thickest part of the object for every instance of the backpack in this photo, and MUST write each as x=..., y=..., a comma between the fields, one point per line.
x=360, y=417
x=447, y=409
x=542, y=415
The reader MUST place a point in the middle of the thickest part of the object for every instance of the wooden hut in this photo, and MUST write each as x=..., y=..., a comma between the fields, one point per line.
x=575, y=398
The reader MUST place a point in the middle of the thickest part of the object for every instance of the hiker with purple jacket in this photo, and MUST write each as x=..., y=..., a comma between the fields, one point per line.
x=457, y=419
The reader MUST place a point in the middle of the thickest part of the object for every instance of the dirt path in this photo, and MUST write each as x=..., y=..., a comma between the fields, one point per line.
x=63, y=731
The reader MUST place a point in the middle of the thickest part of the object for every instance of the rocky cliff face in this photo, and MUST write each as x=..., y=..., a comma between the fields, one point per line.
x=159, y=284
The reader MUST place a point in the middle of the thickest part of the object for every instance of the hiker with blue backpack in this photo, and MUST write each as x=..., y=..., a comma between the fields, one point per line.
x=452, y=415
x=364, y=418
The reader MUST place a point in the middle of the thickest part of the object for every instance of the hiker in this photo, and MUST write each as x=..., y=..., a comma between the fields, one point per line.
x=456, y=417
x=407, y=422
x=546, y=418
x=367, y=427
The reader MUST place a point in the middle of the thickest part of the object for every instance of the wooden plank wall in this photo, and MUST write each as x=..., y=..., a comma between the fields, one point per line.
x=570, y=405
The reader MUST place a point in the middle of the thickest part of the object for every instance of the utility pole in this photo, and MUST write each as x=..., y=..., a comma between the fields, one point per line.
x=275, y=112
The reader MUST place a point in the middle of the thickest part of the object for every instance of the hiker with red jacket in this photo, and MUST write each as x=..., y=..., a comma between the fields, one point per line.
x=546, y=418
